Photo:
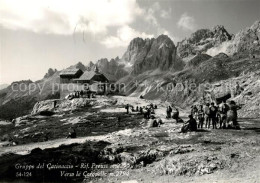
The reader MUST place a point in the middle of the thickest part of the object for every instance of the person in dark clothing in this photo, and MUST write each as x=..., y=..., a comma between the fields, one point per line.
x=155, y=106
x=201, y=116
x=213, y=115
x=145, y=112
x=137, y=108
x=168, y=112
x=54, y=103
x=148, y=113
x=127, y=108
x=176, y=114
x=81, y=93
x=190, y=125
x=207, y=115
x=141, y=110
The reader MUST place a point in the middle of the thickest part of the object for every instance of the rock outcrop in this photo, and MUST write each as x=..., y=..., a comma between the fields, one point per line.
x=113, y=68
x=202, y=40
x=247, y=40
x=151, y=54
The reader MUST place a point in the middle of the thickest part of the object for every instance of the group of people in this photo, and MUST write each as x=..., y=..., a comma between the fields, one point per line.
x=147, y=111
x=75, y=94
x=224, y=114
x=173, y=112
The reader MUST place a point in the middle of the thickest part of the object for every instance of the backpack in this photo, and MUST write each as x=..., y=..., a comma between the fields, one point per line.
x=213, y=110
x=225, y=108
x=207, y=111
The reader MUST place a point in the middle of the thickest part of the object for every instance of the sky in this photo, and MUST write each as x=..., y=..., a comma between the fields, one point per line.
x=36, y=35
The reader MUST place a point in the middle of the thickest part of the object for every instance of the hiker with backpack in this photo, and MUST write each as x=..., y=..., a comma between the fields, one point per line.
x=223, y=109
x=213, y=115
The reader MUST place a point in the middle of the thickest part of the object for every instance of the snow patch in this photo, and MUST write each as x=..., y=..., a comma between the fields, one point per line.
x=223, y=48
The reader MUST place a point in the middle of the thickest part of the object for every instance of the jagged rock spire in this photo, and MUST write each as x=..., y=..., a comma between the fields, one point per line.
x=96, y=69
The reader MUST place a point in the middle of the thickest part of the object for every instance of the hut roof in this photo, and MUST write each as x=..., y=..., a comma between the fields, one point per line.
x=110, y=77
x=87, y=75
x=70, y=71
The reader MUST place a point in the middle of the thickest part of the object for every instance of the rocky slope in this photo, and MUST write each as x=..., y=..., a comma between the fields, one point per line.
x=19, y=98
x=112, y=69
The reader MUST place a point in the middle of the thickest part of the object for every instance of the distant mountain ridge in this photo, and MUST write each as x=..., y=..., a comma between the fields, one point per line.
x=2, y=86
x=208, y=55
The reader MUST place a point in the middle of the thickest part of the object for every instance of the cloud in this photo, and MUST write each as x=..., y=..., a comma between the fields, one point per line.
x=97, y=18
x=150, y=16
x=63, y=17
x=123, y=37
x=187, y=22
x=166, y=14
x=125, y=33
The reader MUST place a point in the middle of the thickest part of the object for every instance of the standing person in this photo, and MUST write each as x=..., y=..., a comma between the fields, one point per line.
x=207, y=115
x=232, y=114
x=145, y=112
x=201, y=116
x=141, y=110
x=148, y=113
x=127, y=108
x=213, y=115
x=81, y=93
x=223, y=109
x=168, y=112
x=194, y=111
x=176, y=114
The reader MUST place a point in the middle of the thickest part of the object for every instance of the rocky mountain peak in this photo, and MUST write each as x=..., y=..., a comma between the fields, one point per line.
x=256, y=26
x=221, y=34
x=136, y=43
x=246, y=41
x=151, y=54
x=202, y=40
